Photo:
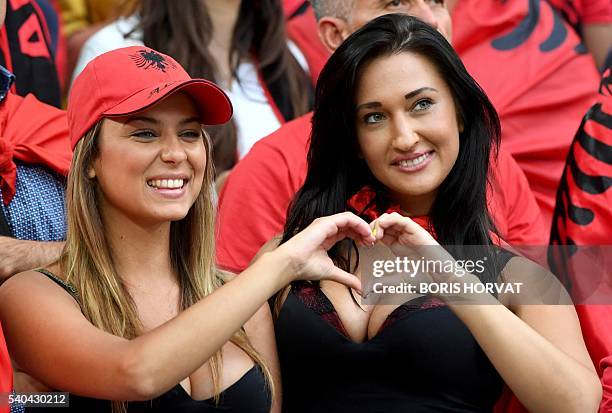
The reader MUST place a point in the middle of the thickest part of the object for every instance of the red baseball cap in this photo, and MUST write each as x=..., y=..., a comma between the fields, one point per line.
x=132, y=79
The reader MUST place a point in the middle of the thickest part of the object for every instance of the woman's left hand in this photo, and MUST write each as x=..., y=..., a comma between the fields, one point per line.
x=407, y=239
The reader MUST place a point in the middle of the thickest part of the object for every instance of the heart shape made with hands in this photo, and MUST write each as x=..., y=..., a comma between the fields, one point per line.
x=394, y=274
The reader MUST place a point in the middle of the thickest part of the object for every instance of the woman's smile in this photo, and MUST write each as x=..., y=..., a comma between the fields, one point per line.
x=415, y=162
x=169, y=187
x=407, y=127
x=158, y=156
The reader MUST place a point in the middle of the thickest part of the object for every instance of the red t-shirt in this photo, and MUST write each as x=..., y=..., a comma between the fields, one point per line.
x=6, y=373
x=253, y=203
x=526, y=60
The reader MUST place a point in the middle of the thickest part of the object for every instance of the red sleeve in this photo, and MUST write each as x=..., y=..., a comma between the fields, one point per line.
x=254, y=200
x=38, y=133
x=513, y=205
x=6, y=372
x=541, y=82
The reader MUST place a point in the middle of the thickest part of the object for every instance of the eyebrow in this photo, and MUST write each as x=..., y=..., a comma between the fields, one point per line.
x=140, y=119
x=419, y=91
x=407, y=96
x=193, y=119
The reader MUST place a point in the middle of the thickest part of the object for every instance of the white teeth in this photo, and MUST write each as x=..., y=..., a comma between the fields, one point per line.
x=166, y=183
x=408, y=163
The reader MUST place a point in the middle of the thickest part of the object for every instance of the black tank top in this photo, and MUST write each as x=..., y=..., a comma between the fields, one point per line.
x=250, y=394
x=423, y=359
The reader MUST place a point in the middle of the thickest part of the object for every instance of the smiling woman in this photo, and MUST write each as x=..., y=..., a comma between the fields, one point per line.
x=135, y=310
x=157, y=156
x=410, y=141
x=402, y=135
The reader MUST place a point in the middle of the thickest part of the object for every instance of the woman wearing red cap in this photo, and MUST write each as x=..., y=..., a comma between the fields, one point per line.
x=135, y=310
x=241, y=45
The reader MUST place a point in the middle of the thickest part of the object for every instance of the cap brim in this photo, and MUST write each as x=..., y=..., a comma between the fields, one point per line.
x=213, y=104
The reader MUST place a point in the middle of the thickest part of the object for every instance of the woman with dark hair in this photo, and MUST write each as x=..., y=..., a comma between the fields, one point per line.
x=134, y=316
x=242, y=45
x=402, y=136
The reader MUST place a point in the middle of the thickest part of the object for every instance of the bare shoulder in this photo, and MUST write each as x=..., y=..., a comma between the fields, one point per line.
x=31, y=288
x=262, y=317
x=260, y=324
x=546, y=306
x=42, y=321
x=539, y=286
x=521, y=269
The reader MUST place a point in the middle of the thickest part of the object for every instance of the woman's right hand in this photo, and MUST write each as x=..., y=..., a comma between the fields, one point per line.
x=307, y=250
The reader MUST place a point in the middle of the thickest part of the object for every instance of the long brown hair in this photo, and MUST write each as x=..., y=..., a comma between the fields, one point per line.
x=87, y=261
x=183, y=30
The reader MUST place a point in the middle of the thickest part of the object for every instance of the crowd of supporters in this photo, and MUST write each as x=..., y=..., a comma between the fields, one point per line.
x=544, y=65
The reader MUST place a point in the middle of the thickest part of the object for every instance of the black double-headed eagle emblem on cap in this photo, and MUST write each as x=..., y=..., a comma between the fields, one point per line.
x=147, y=58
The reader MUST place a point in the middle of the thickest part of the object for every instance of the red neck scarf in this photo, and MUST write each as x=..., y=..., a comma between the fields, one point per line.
x=367, y=203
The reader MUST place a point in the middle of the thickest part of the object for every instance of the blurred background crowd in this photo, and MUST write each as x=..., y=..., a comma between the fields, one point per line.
x=545, y=65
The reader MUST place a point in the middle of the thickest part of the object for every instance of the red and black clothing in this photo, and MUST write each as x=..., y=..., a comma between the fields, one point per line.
x=583, y=217
x=27, y=50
